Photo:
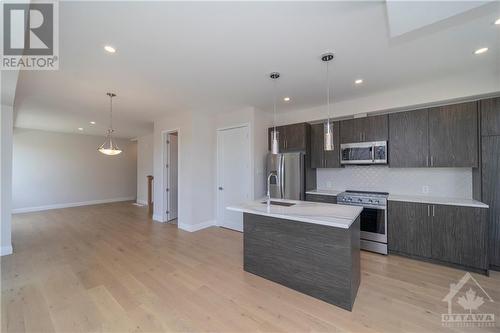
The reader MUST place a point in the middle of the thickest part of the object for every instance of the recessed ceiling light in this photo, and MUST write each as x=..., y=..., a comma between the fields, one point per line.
x=497, y=22
x=109, y=49
x=481, y=50
x=92, y=123
x=80, y=128
x=358, y=81
x=286, y=99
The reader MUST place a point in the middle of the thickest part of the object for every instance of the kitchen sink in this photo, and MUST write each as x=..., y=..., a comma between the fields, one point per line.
x=279, y=203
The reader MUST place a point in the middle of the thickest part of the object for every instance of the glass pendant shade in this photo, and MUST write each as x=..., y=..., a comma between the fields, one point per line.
x=328, y=137
x=109, y=147
x=275, y=145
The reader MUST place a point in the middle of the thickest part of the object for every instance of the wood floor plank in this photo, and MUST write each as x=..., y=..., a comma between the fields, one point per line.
x=110, y=268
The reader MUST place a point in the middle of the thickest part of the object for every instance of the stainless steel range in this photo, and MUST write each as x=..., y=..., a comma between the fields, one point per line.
x=373, y=218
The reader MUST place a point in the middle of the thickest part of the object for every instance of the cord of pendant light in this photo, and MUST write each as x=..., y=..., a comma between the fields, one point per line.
x=274, y=103
x=328, y=92
x=111, y=112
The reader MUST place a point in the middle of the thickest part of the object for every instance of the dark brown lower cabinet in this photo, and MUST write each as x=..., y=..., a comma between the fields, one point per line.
x=459, y=235
x=321, y=198
x=409, y=228
x=449, y=234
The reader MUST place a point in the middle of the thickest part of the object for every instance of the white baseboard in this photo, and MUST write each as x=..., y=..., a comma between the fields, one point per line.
x=196, y=227
x=158, y=218
x=5, y=250
x=68, y=205
x=142, y=202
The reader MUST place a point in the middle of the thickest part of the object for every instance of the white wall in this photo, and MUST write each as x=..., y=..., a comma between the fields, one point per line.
x=52, y=170
x=406, y=98
x=6, y=128
x=144, y=166
x=198, y=161
x=440, y=182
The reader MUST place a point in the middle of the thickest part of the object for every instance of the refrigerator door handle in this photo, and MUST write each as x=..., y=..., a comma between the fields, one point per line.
x=282, y=178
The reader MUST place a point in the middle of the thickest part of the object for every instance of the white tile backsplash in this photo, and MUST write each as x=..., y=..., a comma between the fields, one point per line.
x=440, y=182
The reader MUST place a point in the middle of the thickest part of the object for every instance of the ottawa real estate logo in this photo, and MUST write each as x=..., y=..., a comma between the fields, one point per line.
x=465, y=299
x=30, y=35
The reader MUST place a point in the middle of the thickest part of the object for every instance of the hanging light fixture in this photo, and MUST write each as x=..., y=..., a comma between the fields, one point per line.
x=328, y=137
x=274, y=134
x=109, y=147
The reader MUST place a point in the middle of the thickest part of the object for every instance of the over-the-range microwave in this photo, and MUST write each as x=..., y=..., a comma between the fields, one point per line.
x=374, y=152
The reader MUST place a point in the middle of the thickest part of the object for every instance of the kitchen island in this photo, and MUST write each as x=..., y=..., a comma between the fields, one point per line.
x=309, y=247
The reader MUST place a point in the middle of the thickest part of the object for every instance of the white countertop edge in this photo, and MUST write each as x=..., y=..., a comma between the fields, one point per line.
x=439, y=201
x=332, y=193
x=345, y=224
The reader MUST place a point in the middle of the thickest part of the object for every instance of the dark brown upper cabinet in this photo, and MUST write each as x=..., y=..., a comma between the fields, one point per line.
x=490, y=116
x=371, y=128
x=453, y=135
x=294, y=137
x=409, y=139
x=319, y=157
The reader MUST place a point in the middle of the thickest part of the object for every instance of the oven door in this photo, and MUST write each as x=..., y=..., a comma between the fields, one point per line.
x=373, y=224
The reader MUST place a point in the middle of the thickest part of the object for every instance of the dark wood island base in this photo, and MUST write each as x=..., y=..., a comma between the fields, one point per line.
x=317, y=260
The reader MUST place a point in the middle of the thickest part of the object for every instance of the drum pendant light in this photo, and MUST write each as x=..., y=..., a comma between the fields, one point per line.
x=328, y=137
x=274, y=134
x=109, y=147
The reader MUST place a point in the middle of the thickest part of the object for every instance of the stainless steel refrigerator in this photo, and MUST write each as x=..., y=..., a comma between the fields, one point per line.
x=290, y=172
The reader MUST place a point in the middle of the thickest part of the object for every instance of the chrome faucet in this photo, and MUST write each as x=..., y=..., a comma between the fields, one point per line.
x=271, y=174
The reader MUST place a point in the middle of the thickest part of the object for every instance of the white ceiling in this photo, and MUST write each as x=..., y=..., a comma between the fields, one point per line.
x=211, y=57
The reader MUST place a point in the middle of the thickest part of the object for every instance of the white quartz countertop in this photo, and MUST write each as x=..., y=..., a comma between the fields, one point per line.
x=339, y=216
x=438, y=200
x=324, y=192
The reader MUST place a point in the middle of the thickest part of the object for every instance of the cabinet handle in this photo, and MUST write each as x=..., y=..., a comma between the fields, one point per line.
x=433, y=210
x=428, y=210
x=427, y=160
x=432, y=160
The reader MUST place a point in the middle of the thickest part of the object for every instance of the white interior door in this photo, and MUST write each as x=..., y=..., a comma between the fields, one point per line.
x=170, y=177
x=233, y=174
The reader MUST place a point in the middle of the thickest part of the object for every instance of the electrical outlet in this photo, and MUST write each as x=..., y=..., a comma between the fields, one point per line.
x=425, y=189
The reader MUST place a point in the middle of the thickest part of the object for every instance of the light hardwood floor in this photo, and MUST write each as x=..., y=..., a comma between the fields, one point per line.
x=109, y=268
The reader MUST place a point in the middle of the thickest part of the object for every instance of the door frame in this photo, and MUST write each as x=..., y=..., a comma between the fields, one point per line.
x=218, y=165
x=164, y=136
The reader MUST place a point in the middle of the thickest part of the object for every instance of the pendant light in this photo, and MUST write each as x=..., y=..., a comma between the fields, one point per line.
x=274, y=134
x=328, y=137
x=109, y=147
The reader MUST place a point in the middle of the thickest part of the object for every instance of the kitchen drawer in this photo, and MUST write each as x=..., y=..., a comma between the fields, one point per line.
x=321, y=198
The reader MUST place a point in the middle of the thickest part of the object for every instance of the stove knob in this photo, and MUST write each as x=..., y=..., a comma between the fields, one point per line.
x=370, y=200
x=376, y=201
x=360, y=200
x=350, y=199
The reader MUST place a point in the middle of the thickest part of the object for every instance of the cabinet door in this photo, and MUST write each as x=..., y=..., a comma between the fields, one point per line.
x=409, y=228
x=317, y=151
x=296, y=137
x=374, y=128
x=491, y=193
x=453, y=135
x=459, y=235
x=409, y=139
x=490, y=116
x=332, y=158
x=349, y=132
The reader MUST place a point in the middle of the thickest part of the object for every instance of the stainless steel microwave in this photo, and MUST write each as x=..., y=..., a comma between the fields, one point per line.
x=364, y=153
